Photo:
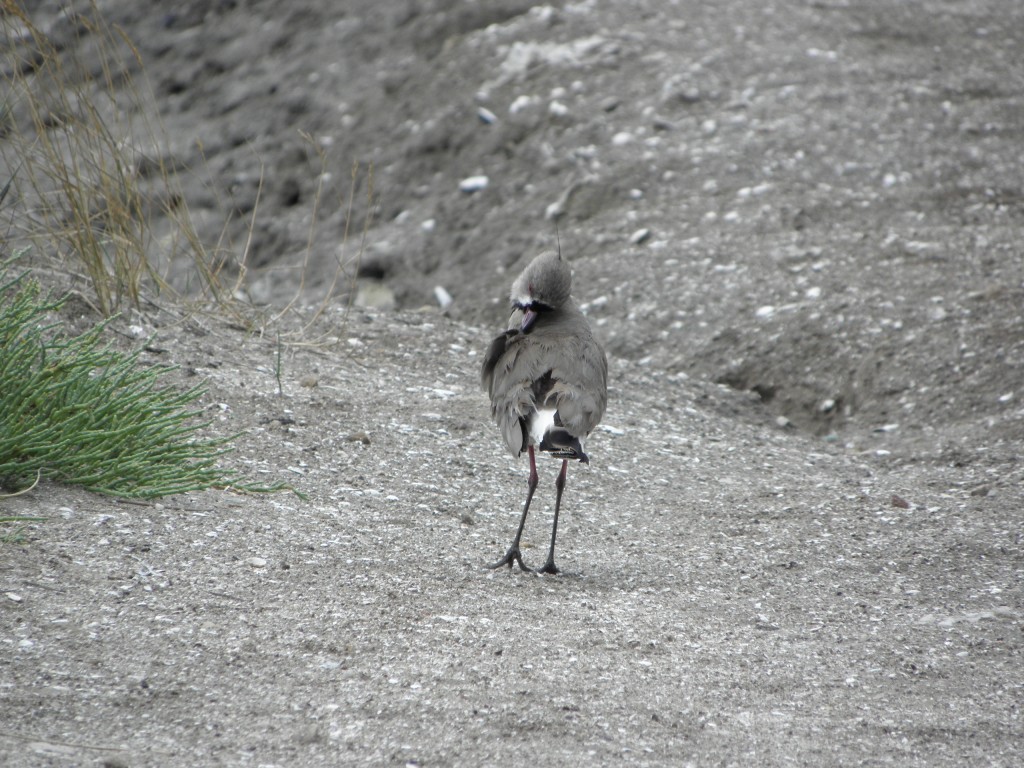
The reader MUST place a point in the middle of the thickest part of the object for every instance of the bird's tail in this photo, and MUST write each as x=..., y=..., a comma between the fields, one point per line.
x=563, y=445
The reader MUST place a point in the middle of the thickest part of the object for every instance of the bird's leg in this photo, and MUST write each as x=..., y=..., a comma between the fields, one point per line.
x=549, y=566
x=514, y=555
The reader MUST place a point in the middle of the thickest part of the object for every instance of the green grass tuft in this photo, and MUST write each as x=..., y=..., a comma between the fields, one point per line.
x=76, y=411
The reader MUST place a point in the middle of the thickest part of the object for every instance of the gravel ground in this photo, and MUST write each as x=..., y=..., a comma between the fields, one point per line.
x=796, y=229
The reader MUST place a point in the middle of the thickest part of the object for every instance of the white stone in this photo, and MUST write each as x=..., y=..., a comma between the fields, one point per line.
x=474, y=183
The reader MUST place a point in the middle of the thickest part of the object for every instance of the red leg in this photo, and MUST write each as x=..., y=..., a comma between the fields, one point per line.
x=549, y=566
x=514, y=555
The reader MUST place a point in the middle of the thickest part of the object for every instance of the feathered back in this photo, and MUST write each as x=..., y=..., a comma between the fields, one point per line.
x=556, y=363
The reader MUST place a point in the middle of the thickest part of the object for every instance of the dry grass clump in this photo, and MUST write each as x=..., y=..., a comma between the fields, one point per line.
x=69, y=146
x=83, y=158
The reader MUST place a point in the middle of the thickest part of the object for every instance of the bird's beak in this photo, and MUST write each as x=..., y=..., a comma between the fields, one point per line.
x=529, y=316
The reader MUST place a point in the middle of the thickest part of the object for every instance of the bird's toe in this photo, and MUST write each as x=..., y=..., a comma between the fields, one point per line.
x=512, y=557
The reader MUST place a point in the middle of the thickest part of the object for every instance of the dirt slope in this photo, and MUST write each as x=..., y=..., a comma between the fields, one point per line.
x=799, y=541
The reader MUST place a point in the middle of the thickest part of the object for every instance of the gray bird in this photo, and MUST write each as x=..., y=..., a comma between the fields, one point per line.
x=548, y=381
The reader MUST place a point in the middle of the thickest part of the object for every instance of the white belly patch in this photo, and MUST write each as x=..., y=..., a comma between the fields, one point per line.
x=542, y=420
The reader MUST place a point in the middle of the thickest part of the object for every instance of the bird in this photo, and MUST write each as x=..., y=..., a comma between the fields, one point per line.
x=547, y=378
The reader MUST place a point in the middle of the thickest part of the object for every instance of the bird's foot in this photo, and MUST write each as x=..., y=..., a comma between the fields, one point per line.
x=512, y=556
x=549, y=567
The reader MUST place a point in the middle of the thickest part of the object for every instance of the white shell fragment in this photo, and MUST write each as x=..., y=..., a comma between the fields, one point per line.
x=474, y=184
x=443, y=297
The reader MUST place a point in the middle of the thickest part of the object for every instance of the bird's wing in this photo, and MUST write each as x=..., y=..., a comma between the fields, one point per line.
x=494, y=353
x=580, y=386
x=502, y=376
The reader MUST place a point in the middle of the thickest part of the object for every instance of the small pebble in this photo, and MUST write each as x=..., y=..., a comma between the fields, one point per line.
x=474, y=184
x=520, y=103
x=14, y=596
x=899, y=501
x=555, y=210
x=640, y=236
x=443, y=297
x=257, y=562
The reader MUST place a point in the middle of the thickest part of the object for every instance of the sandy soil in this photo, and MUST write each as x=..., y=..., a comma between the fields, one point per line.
x=796, y=228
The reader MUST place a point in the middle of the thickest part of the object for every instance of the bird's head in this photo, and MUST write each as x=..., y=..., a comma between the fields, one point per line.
x=543, y=286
